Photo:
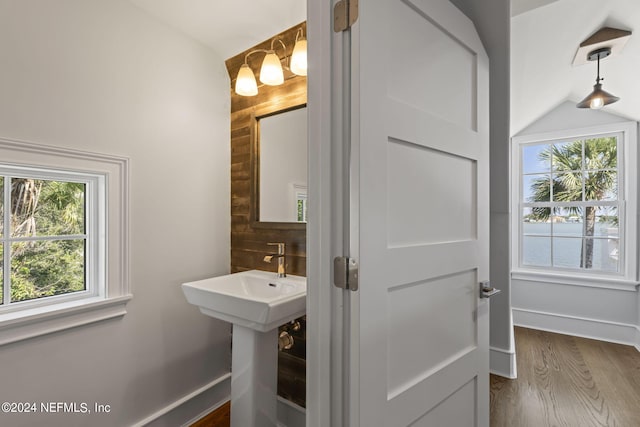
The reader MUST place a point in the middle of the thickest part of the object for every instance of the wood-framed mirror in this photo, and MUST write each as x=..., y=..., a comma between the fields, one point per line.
x=279, y=169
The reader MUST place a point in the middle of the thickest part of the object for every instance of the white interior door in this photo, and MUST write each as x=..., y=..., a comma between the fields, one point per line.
x=420, y=217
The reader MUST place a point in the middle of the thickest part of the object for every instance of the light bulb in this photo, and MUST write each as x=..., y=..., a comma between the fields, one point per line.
x=299, y=58
x=246, y=82
x=271, y=71
x=596, y=103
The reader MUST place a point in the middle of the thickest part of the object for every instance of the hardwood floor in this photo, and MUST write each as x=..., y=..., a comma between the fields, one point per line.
x=563, y=381
x=221, y=417
x=568, y=381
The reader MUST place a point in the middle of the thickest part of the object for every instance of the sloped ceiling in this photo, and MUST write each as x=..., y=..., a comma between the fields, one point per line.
x=228, y=27
x=545, y=35
x=544, y=38
x=521, y=6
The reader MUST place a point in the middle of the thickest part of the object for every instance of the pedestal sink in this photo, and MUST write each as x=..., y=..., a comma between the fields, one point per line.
x=256, y=302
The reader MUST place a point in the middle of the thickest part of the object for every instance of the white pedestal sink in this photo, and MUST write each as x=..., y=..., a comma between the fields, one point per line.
x=256, y=302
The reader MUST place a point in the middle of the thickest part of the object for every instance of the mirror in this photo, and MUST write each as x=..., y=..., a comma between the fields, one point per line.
x=280, y=168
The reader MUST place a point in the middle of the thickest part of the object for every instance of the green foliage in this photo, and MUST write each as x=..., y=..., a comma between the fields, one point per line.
x=52, y=267
x=300, y=212
x=41, y=269
x=600, y=162
x=61, y=208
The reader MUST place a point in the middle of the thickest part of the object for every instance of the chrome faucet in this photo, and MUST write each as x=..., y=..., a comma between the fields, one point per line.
x=281, y=259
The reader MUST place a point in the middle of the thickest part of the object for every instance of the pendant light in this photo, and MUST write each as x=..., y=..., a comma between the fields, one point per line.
x=598, y=98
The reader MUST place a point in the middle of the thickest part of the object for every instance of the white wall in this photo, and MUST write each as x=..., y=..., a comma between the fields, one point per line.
x=100, y=75
x=492, y=19
x=611, y=314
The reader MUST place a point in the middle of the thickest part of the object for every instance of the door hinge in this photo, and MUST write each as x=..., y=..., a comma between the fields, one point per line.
x=345, y=273
x=345, y=14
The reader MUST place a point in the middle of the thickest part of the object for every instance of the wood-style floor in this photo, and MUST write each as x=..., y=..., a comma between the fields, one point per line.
x=568, y=381
x=221, y=417
x=563, y=381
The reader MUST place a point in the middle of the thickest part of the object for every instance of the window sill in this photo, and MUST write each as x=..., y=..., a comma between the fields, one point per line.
x=573, y=279
x=53, y=318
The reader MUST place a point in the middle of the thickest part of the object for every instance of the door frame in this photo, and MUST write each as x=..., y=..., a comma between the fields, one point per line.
x=328, y=225
x=327, y=220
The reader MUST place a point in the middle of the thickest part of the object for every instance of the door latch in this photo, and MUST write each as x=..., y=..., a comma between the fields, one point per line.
x=345, y=273
x=486, y=291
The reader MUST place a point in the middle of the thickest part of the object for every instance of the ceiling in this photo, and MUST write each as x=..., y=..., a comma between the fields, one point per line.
x=228, y=27
x=545, y=35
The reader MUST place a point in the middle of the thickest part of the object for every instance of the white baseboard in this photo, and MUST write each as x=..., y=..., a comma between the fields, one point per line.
x=620, y=333
x=198, y=401
x=290, y=414
x=503, y=363
x=206, y=412
x=218, y=391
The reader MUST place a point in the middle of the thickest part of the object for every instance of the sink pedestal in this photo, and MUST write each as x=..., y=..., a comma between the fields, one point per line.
x=256, y=302
x=254, y=377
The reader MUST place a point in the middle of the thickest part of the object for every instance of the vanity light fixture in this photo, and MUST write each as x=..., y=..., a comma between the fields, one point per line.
x=299, y=55
x=598, y=98
x=246, y=82
x=271, y=72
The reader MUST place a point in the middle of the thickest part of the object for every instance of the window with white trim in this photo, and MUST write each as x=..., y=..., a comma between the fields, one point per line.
x=63, y=239
x=575, y=201
x=49, y=236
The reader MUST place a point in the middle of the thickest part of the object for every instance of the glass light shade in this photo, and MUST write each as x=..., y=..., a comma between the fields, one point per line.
x=299, y=58
x=271, y=72
x=597, y=99
x=246, y=82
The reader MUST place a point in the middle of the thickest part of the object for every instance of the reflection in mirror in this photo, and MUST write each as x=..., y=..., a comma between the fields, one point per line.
x=283, y=167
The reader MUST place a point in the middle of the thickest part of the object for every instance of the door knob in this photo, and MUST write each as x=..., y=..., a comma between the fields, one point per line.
x=486, y=291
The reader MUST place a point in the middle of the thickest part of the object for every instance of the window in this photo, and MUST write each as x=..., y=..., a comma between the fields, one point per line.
x=63, y=242
x=302, y=208
x=48, y=235
x=575, y=202
x=300, y=202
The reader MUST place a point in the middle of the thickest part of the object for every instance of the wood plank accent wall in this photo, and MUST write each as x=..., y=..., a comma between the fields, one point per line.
x=248, y=239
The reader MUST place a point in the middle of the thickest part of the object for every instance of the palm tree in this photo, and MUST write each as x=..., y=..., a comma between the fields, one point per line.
x=566, y=182
x=49, y=207
x=25, y=194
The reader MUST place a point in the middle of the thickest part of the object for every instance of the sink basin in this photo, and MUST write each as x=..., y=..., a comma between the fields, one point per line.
x=254, y=299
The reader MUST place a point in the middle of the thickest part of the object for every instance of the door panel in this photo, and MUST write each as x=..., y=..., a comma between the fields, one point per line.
x=456, y=410
x=449, y=300
x=414, y=32
x=442, y=211
x=419, y=209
